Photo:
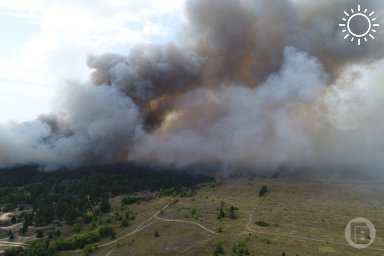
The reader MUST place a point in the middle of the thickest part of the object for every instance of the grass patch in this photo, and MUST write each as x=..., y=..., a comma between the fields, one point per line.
x=326, y=249
x=265, y=240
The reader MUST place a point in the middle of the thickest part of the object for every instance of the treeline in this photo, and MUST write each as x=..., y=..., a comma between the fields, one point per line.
x=69, y=195
x=80, y=241
x=63, y=244
x=174, y=191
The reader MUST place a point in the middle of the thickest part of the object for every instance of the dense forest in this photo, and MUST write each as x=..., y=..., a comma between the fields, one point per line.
x=70, y=197
x=66, y=195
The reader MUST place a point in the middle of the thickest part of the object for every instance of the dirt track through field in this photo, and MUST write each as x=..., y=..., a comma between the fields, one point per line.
x=248, y=230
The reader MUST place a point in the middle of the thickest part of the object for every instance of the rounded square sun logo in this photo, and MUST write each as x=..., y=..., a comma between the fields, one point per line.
x=359, y=24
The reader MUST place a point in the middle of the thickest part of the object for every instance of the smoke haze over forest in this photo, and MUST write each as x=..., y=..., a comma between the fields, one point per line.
x=262, y=83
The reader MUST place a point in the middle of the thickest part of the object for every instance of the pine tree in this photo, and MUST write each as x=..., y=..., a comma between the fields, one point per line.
x=11, y=236
x=221, y=213
x=263, y=190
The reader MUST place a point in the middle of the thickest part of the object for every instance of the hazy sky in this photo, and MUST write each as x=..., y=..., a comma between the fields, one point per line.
x=45, y=42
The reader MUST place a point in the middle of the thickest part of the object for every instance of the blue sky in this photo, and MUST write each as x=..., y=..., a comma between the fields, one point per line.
x=45, y=42
x=15, y=33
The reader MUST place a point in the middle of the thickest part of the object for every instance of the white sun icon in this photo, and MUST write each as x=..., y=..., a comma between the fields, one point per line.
x=365, y=22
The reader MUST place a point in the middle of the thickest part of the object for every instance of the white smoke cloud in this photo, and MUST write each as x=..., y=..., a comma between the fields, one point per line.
x=95, y=124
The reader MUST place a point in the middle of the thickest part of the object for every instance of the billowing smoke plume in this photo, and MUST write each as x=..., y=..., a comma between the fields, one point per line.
x=260, y=83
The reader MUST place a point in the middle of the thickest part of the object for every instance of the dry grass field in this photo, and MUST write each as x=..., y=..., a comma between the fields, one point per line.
x=305, y=216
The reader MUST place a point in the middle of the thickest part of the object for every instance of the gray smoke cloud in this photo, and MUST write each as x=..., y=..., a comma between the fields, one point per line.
x=252, y=82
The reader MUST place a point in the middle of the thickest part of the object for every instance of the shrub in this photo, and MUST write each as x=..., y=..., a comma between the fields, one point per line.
x=89, y=249
x=263, y=190
x=261, y=223
x=106, y=230
x=77, y=228
x=218, y=250
x=232, y=210
x=124, y=223
x=240, y=249
x=39, y=233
